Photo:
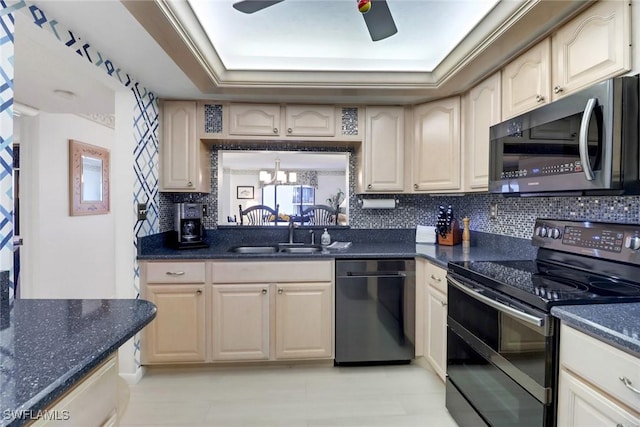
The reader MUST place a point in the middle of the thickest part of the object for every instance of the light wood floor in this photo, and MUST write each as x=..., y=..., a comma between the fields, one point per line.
x=288, y=396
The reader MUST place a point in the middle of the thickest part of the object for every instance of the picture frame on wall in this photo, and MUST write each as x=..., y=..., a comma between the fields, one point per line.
x=244, y=192
x=89, y=188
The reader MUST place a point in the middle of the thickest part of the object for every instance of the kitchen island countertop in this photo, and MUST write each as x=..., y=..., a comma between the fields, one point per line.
x=49, y=345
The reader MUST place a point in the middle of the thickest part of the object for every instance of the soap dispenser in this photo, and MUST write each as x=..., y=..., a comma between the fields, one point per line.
x=325, y=239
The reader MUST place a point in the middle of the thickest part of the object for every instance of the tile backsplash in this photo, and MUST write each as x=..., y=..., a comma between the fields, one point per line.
x=516, y=216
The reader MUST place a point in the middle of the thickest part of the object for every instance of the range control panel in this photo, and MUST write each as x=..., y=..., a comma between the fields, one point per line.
x=619, y=242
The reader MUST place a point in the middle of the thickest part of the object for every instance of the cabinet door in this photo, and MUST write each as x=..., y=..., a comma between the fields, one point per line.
x=179, y=146
x=384, y=149
x=579, y=404
x=304, y=321
x=436, y=351
x=526, y=81
x=310, y=120
x=592, y=47
x=482, y=111
x=436, y=149
x=177, y=334
x=240, y=322
x=254, y=119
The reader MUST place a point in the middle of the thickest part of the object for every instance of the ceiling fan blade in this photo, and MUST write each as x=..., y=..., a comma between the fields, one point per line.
x=250, y=6
x=379, y=20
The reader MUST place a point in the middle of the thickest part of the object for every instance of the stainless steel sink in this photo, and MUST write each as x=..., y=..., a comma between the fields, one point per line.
x=305, y=249
x=254, y=249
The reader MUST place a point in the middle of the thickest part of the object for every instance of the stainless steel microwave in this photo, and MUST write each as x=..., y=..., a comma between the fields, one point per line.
x=585, y=143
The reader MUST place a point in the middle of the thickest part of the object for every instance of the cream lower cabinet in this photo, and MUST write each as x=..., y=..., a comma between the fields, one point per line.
x=90, y=403
x=177, y=334
x=240, y=321
x=304, y=321
x=272, y=310
x=431, y=315
x=591, y=389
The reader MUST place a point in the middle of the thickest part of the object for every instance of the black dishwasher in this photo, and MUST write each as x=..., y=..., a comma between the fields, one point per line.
x=375, y=311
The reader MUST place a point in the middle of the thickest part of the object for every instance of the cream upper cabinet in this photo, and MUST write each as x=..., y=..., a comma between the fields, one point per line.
x=185, y=163
x=481, y=110
x=436, y=146
x=254, y=119
x=383, y=150
x=596, y=383
x=526, y=81
x=592, y=47
x=304, y=320
x=310, y=120
x=240, y=321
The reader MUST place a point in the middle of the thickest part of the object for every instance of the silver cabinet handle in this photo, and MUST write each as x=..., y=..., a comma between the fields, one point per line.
x=264, y=292
x=442, y=303
x=290, y=130
x=369, y=186
x=280, y=291
x=275, y=130
x=190, y=184
x=415, y=186
x=437, y=279
x=557, y=89
x=199, y=292
x=539, y=98
x=175, y=273
x=628, y=384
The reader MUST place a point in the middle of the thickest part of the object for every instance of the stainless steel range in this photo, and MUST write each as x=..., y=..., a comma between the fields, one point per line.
x=503, y=343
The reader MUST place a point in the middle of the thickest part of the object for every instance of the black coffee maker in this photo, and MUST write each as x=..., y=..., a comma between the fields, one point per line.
x=189, y=227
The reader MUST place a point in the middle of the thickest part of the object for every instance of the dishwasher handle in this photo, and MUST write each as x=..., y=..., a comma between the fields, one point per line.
x=377, y=274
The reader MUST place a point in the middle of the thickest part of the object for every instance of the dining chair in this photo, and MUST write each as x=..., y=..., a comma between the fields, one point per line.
x=259, y=215
x=319, y=215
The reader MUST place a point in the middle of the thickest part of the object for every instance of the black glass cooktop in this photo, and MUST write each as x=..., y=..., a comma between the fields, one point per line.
x=544, y=285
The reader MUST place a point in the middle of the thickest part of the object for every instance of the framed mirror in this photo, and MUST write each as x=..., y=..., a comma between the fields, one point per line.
x=88, y=179
x=294, y=181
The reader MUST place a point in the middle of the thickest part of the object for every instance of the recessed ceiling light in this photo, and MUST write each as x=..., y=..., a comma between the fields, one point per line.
x=64, y=94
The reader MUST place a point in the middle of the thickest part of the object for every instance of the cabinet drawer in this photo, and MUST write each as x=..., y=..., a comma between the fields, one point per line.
x=437, y=277
x=175, y=272
x=600, y=364
x=271, y=271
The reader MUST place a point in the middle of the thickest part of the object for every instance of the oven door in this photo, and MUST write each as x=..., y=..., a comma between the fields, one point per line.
x=500, y=358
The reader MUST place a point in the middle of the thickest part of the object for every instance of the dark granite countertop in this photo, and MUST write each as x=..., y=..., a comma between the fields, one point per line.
x=615, y=324
x=47, y=346
x=384, y=243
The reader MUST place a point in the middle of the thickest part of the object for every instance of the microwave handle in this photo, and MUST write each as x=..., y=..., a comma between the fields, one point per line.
x=583, y=143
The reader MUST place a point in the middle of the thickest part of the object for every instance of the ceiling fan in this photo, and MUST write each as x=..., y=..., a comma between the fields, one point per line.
x=376, y=15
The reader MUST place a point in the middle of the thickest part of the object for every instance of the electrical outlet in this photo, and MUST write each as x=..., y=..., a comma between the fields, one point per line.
x=493, y=210
x=142, y=211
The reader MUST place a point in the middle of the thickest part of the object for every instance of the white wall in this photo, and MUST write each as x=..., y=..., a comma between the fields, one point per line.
x=63, y=256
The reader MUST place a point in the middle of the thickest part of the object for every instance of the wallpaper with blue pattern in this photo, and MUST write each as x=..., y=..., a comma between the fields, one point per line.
x=145, y=131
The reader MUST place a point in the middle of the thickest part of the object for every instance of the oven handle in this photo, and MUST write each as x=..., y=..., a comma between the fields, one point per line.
x=528, y=318
x=583, y=143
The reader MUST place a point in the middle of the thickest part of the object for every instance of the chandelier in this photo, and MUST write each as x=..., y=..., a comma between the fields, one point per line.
x=277, y=176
